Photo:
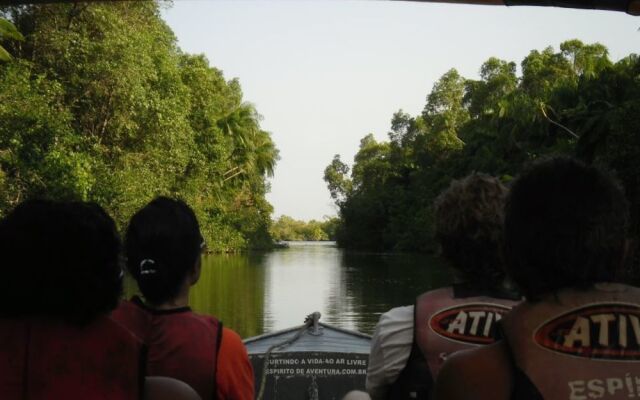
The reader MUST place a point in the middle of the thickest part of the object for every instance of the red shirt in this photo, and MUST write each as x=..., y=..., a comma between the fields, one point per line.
x=191, y=347
x=49, y=359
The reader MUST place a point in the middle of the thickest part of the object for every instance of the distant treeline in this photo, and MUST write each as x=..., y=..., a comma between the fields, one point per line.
x=575, y=101
x=287, y=228
x=100, y=104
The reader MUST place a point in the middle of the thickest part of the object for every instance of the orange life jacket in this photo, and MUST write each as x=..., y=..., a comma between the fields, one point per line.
x=48, y=359
x=578, y=344
x=445, y=321
x=181, y=344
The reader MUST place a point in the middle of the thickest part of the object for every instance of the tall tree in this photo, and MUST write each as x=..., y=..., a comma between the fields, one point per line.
x=100, y=104
x=574, y=101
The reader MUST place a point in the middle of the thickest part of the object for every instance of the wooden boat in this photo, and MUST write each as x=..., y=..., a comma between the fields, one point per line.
x=312, y=361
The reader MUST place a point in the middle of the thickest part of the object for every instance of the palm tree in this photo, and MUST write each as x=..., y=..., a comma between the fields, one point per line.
x=8, y=31
x=253, y=150
x=265, y=154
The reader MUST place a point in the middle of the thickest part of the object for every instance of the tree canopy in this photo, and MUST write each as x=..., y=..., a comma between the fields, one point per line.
x=574, y=101
x=100, y=104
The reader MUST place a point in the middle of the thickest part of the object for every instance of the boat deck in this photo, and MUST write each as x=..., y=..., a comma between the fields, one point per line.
x=332, y=339
x=322, y=363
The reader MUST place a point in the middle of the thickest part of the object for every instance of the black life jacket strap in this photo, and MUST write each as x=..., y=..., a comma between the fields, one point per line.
x=215, y=362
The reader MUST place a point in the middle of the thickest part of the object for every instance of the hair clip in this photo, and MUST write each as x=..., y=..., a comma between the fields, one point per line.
x=147, y=270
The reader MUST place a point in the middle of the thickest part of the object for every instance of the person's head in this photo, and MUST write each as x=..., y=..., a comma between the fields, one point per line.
x=163, y=245
x=565, y=226
x=60, y=260
x=469, y=228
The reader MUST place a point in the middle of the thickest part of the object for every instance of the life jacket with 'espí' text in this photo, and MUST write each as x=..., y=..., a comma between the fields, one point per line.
x=48, y=359
x=445, y=321
x=577, y=344
x=181, y=344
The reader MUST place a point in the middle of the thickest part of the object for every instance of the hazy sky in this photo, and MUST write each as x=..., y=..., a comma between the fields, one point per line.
x=325, y=74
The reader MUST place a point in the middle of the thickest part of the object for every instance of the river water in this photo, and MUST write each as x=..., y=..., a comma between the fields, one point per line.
x=262, y=292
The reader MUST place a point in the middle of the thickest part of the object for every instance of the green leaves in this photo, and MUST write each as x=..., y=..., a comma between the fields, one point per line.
x=289, y=229
x=573, y=102
x=100, y=104
x=4, y=55
x=338, y=182
x=8, y=31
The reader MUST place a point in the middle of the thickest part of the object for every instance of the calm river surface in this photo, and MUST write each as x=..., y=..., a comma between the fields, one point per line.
x=261, y=292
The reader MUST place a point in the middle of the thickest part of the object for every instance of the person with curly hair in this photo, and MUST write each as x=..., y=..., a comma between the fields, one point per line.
x=577, y=334
x=411, y=343
x=163, y=247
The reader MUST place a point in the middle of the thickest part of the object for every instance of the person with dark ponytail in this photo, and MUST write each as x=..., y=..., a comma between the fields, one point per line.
x=163, y=247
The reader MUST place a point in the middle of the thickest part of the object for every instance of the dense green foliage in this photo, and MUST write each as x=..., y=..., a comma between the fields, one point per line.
x=287, y=228
x=575, y=102
x=8, y=31
x=100, y=104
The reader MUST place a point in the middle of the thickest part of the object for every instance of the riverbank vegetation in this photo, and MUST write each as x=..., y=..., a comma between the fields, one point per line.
x=574, y=101
x=99, y=103
x=286, y=228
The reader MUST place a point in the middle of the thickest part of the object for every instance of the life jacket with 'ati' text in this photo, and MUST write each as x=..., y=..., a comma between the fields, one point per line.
x=447, y=320
x=577, y=344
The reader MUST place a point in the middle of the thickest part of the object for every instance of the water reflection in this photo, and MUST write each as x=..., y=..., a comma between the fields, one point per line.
x=258, y=293
x=374, y=283
x=232, y=288
x=300, y=280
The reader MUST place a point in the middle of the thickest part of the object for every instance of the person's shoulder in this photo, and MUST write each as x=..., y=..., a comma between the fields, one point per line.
x=395, y=321
x=397, y=314
x=441, y=291
x=229, y=336
x=406, y=313
x=231, y=344
x=395, y=328
x=481, y=373
x=206, y=319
